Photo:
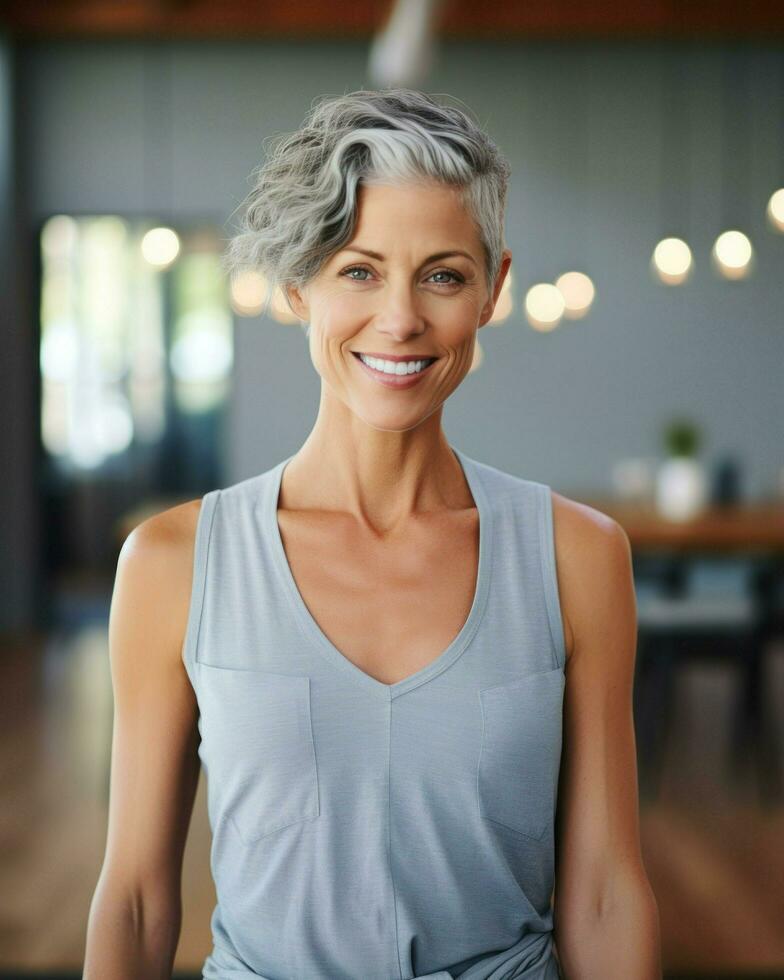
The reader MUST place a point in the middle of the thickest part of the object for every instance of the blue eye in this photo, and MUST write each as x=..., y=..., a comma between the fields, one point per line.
x=354, y=268
x=455, y=276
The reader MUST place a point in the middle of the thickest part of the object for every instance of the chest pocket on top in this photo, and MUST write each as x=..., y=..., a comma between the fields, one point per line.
x=519, y=761
x=257, y=747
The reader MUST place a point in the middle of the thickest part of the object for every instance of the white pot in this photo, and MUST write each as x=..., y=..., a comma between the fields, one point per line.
x=681, y=488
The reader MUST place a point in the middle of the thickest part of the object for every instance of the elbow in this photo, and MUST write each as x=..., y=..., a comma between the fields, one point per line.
x=131, y=933
x=586, y=935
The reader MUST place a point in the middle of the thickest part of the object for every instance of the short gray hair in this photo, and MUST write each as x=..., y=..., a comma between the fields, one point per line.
x=303, y=205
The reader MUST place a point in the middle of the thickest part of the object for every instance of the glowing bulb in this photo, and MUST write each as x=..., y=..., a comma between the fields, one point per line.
x=672, y=261
x=732, y=253
x=776, y=209
x=160, y=246
x=578, y=292
x=544, y=306
x=248, y=292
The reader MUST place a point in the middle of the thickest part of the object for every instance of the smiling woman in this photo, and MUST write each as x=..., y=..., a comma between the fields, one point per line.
x=303, y=205
x=371, y=635
x=402, y=306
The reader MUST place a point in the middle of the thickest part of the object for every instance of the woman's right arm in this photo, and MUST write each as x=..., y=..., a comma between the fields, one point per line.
x=135, y=914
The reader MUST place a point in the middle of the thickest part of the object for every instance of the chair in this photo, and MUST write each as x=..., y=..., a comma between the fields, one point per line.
x=704, y=609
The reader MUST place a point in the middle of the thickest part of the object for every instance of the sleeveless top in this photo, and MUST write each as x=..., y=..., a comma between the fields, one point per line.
x=365, y=831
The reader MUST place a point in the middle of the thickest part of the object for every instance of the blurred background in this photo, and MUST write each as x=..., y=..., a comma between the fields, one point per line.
x=634, y=363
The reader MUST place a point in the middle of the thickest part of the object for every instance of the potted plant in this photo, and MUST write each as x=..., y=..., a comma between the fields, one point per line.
x=681, y=483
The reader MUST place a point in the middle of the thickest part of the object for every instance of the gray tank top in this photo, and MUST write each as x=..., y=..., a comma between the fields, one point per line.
x=365, y=831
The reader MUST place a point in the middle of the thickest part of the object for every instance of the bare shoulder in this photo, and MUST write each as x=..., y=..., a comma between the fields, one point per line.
x=170, y=530
x=593, y=561
x=155, y=570
x=155, y=763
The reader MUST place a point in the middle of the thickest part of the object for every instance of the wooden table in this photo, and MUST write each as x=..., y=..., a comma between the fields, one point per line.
x=741, y=528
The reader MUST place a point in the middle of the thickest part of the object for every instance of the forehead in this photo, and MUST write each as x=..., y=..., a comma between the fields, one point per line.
x=428, y=211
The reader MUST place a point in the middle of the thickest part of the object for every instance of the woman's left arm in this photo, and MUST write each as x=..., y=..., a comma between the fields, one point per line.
x=606, y=920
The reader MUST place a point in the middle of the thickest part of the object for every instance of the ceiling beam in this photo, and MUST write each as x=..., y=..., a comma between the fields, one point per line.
x=459, y=19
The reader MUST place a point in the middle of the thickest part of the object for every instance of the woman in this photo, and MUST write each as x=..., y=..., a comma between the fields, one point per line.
x=368, y=645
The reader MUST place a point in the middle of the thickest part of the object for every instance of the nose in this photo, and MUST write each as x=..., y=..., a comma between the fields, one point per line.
x=399, y=315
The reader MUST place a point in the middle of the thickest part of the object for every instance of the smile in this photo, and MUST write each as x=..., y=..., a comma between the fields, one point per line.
x=395, y=374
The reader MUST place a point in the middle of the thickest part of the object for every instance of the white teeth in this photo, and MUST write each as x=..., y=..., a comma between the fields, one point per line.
x=394, y=367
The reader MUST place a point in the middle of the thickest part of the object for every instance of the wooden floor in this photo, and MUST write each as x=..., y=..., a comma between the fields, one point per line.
x=715, y=858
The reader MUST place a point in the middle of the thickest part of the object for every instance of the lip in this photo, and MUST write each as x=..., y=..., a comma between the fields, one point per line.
x=393, y=380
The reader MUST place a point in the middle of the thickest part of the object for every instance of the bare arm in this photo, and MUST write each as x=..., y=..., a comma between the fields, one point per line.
x=135, y=914
x=606, y=920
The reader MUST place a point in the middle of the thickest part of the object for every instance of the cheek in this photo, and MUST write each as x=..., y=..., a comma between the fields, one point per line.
x=459, y=324
x=337, y=319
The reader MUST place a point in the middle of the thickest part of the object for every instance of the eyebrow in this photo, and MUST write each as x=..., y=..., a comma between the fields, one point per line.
x=431, y=258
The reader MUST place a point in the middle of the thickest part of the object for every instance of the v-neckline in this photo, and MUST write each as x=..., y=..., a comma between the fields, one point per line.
x=322, y=642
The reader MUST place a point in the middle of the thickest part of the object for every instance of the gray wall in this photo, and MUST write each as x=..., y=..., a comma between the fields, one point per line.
x=559, y=408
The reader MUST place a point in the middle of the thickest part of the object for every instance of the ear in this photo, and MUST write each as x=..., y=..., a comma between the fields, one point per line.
x=489, y=307
x=297, y=301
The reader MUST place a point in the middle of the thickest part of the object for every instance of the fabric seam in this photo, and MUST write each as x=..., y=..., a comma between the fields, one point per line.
x=203, y=541
x=549, y=576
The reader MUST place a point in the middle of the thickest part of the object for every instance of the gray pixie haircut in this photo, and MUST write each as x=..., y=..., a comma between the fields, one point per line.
x=303, y=204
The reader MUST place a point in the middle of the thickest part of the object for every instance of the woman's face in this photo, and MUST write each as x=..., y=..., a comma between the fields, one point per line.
x=402, y=301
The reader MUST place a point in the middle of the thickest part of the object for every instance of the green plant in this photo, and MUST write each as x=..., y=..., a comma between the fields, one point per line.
x=682, y=437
